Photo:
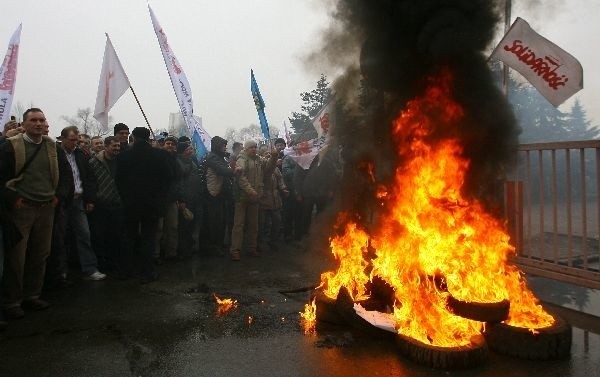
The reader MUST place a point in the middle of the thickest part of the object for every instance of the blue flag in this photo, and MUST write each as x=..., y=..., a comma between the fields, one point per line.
x=260, y=106
x=199, y=145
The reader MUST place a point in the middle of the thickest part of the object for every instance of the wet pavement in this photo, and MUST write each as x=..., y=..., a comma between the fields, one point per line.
x=171, y=328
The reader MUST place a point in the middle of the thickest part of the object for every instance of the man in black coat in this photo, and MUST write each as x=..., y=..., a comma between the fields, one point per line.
x=144, y=176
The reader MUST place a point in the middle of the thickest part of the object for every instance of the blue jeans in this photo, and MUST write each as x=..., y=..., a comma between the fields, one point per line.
x=77, y=223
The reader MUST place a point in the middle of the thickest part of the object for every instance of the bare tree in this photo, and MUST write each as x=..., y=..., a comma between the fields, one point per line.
x=86, y=123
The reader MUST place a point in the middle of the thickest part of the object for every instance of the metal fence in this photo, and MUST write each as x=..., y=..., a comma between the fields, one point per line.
x=553, y=211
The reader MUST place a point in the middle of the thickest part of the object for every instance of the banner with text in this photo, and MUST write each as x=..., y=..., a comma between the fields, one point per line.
x=553, y=71
x=8, y=76
x=179, y=80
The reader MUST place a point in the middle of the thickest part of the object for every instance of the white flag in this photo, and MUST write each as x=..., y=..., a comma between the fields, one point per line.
x=285, y=134
x=181, y=86
x=8, y=76
x=113, y=83
x=554, y=72
x=305, y=152
x=323, y=120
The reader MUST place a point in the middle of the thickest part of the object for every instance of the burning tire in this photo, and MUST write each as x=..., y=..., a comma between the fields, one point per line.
x=493, y=312
x=345, y=308
x=326, y=310
x=548, y=343
x=459, y=357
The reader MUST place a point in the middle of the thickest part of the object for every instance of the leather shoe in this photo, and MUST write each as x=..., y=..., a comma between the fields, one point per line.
x=35, y=304
x=14, y=312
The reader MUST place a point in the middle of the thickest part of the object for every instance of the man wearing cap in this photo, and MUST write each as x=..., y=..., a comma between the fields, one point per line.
x=144, y=176
x=250, y=182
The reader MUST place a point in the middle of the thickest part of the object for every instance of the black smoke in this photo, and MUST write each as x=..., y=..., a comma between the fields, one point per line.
x=395, y=46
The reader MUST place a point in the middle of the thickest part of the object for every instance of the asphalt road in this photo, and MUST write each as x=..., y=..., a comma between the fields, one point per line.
x=171, y=328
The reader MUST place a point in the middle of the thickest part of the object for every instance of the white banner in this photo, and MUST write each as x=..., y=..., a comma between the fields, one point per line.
x=323, y=120
x=305, y=152
x=554, y=72
x=181, y=86
x=8, y=76
x=112, y=85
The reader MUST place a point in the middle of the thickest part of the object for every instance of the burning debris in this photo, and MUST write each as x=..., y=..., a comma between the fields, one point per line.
x=224, y=305
x=444, y=137
x=309, y=317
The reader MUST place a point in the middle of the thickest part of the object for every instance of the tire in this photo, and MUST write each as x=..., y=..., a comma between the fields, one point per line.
x=460, y=357
x=548, y=344
x=493, y=312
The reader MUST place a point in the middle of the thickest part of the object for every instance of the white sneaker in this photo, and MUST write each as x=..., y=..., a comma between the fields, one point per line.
x=96, y=276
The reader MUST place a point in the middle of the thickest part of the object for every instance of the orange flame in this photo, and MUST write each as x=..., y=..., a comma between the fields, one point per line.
x=430, y=229
x=225, y=304
x=309, y=317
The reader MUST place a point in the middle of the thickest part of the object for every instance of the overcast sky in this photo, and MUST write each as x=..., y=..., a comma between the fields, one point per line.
x=216, y=42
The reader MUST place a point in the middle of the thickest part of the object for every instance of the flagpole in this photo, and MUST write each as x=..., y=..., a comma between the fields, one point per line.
x=143, y=113
x=507, y=16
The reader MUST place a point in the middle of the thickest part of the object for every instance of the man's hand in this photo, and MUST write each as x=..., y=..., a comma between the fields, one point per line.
x=54, y=202
x=19, y=203
x=181, y=206
x=89, y=207
x=253, y=195
x=14, y=132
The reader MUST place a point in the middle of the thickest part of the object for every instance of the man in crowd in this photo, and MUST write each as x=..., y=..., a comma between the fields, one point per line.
x=106, y=220
x=121, y=132
x=168, y=235
x=219, y=178
x=144, y=176
x=29, y=172
x=97, y=145
x=253, y=169
x=85, y=144
x=80, y=203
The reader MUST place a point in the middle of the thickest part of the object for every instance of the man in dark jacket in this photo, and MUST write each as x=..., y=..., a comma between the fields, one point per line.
x=219, y=178
x=81, y=202
x=106, y=220
x=144, y=176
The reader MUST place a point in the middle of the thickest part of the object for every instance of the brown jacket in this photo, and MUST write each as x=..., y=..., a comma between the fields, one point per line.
x=252, y=176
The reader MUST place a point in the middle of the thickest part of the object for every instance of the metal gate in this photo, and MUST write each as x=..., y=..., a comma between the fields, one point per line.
x=553, y=211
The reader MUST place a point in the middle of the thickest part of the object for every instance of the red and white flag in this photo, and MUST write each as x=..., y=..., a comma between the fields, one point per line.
x=305, y=152
x=323, y=120
x=555, y=73
x=8, y=76
x=181, y=86
x=113, y=83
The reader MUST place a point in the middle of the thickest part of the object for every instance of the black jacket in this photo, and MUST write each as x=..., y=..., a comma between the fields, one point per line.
x=87, y=176
x=144, y=176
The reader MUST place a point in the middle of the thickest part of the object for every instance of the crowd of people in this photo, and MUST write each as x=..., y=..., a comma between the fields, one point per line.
x=124, y=204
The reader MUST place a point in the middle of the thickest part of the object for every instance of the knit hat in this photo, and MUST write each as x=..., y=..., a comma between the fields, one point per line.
x=280, y=141
x=250, y=143
x=182, y=146
x=141, y=133
x=216, y=143
x=120, y=127
x=183, y=139
x=172, y=139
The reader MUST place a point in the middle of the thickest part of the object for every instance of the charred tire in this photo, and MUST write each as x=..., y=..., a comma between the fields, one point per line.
x=492, y=312
x=326, y=310
x=549, y=343
x=460, y=357
x=345, y=308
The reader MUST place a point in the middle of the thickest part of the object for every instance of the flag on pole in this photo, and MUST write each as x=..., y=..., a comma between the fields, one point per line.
x=8, y=76
x=553, y=71
x=200, y=139
x=285, y=134
x=260, y=106
x=179, y=81
x=305, y=152
x=322, y=122
x=112, y=85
